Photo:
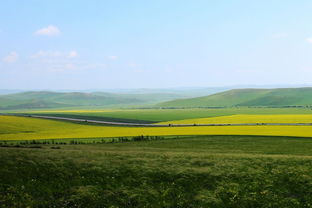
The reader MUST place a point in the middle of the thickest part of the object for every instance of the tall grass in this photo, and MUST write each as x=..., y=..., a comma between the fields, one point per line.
x=218, y=171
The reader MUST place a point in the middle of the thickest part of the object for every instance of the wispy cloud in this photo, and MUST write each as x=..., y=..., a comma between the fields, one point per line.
x=69, y=67
x=92, y=66
x=11, y=57
x=60, y=61
x=50, y=30
x=54, y=54
x=112, y=57
x=72, y=54
x=280, y=35
x=42, y=54
x=133, y=65
x=309, y=40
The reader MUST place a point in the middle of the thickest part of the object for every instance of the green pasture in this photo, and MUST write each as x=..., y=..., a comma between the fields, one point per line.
x=279, y=97
x=206, y=171
x=161, y=115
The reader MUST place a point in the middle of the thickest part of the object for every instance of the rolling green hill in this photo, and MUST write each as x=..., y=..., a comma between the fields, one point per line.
x=46, y=99
x=248, y=97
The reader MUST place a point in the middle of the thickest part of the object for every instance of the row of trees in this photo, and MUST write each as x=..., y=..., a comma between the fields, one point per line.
x=78, y=141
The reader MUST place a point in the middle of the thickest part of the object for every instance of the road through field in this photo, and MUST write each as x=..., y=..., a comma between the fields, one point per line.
x=165, y=125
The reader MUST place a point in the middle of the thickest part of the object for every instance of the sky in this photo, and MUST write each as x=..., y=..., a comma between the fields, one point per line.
x=75, y=44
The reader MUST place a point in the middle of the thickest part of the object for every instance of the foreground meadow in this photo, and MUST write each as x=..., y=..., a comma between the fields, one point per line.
x=186, y=171
x=206, y=171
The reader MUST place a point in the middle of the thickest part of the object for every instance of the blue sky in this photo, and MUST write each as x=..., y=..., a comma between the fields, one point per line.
x=154, y=44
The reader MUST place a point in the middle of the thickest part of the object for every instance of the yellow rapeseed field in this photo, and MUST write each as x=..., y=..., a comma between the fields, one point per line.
x=20, y=128
x=243, y=118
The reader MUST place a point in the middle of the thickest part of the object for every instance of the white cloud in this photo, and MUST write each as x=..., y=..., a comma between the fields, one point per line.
x=279, y=35
x=42, y=54
x=54, y=54
x=93, y=66
x=112, y=57
x=11, y=57
x=70, y=66
x=138, y=70
x=134, y=65
x=309, y=40
x=58, y=61
x=50, y=30
x=72, y=54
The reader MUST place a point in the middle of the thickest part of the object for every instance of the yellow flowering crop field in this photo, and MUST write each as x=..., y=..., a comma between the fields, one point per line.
x=243, y=118
x=168, y=115
x=23, y=128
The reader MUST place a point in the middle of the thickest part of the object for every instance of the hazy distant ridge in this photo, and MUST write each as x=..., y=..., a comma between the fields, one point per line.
x=248, y=97
x=112, y=98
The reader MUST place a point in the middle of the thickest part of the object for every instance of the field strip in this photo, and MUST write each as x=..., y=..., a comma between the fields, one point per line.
x=161, y=125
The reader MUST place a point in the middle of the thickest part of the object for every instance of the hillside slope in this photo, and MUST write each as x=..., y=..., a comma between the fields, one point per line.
x=46, y=99
x=248, y=97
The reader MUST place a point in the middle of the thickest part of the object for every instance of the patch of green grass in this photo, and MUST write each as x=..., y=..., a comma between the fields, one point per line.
x=161, y=115
x=47, y=99
x=207, y=171
x=248, y=97
x=95, y=116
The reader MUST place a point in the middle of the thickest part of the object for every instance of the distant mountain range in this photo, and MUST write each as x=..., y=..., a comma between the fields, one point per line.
x=48, y=99
x=279, y=97
x=248, y=97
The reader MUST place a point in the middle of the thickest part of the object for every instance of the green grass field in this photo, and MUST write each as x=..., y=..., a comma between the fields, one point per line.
x=248, y=97
x=161, y=115
x=279, y=97
x=48, y=99
x=184, y=168
x=206, y=171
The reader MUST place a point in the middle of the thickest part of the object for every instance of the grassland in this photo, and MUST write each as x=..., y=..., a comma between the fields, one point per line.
x=162, y=115
x=47, y=99
x=248, y=97
x=206, y=171
x=179, y=99
x=221, y=166
x=24, y=128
